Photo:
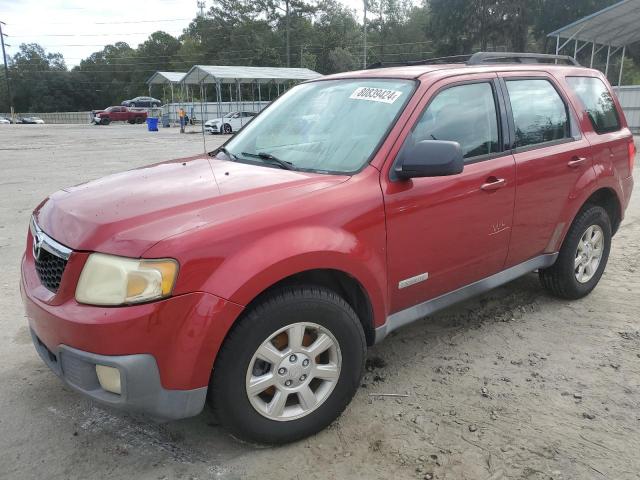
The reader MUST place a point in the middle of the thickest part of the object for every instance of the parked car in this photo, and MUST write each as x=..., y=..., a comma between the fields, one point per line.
x=4, y=120
x=119, y=114
x=144, y=102
x=256, y=277
x=30, y=120
x=231, y=122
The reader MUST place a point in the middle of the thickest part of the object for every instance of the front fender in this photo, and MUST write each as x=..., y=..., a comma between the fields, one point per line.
x=270, y=259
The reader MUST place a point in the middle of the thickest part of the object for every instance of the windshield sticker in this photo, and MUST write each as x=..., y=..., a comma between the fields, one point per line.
x=375, y=94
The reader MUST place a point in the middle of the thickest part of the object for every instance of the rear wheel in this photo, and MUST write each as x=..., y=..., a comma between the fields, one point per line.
x=289, y=367
x=583, y=256
x=139, y=120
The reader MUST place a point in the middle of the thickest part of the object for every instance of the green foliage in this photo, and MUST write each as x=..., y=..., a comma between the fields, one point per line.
x=323, y=35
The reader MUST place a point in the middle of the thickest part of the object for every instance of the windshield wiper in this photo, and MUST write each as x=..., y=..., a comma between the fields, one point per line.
x=267, y=156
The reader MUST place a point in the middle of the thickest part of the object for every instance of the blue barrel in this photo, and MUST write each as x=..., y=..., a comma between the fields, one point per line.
x=152, y=124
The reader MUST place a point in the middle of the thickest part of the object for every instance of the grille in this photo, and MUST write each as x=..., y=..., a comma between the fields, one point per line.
x=50, y=268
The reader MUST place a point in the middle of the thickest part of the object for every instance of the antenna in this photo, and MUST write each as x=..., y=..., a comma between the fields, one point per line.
x=201, y=5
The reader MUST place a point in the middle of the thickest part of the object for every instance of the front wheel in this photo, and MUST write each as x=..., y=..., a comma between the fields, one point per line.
x=105, y=121
x=226, y=128
x=583, y=256
x=289, y=367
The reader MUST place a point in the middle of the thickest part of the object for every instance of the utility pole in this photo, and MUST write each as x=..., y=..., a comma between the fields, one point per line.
x=201, y=5
x=381, y=30
x=286, y=3
x=6, y=72
x=364, y=61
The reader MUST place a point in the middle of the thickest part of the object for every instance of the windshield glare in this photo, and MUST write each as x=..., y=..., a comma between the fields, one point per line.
x=325, y=126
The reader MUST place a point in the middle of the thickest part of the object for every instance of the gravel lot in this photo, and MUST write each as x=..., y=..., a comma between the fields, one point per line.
x=513, y=384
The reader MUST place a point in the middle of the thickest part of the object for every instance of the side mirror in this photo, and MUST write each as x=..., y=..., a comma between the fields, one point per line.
x=430, y=158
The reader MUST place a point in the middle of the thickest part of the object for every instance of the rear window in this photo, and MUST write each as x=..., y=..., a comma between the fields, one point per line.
x=597, y=102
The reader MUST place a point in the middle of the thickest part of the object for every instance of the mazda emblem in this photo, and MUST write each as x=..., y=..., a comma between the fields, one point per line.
x=37, y=246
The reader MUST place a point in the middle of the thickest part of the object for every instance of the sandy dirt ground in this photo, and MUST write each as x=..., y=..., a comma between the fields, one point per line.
x=512, y=384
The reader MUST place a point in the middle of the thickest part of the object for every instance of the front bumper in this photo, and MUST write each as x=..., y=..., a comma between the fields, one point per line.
x=142, y=389
x=164, y=350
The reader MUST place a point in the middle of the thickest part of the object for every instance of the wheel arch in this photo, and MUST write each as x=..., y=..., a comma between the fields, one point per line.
x=605, y=197
x=342, y=283
x=608, y=199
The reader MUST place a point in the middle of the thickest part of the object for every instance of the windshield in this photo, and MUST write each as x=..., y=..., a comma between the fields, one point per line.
x=325, y=126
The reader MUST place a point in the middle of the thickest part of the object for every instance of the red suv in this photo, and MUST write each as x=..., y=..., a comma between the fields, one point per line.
x=256, y=276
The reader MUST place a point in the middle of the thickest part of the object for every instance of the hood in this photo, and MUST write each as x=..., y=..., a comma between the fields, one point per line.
x=214, y=120
x=127, y=213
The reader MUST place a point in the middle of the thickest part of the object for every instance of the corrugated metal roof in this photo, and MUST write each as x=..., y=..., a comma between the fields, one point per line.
x=166, y=77
x=617, y=25
x=231, y=74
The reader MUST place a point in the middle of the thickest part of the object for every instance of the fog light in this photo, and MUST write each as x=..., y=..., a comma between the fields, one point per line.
x=109, y=378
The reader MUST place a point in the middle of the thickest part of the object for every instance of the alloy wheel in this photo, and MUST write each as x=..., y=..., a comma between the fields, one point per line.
x=589, y=253
x=293, y=371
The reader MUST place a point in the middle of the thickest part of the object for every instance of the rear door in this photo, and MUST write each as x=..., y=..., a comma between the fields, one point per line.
x=553, y=160
x=447, y=232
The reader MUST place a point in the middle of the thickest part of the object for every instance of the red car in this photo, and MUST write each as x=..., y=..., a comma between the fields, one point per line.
x=119, y=114
x=255, y=277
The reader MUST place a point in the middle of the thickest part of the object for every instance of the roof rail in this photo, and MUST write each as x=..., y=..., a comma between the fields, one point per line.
x=481, y=58
x=511, y=57
x=427, y=61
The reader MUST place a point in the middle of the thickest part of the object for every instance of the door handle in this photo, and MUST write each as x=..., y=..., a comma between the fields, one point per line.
x=576, y=161
x=493, y=183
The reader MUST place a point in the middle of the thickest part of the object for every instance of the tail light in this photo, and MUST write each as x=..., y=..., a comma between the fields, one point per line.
x=632, y=155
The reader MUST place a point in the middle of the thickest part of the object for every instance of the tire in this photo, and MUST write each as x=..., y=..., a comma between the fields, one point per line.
x=561, y=279
x=226, y=128
x=321, y=310
x=131, y=122
x=105, y=121
x=139, y=120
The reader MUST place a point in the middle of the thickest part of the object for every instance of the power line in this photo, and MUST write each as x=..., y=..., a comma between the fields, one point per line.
x=89, y=34
x=113, y=23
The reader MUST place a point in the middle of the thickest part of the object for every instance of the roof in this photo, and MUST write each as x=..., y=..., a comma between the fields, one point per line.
x=166, y=77
x=616, y=25
x=451, y=69
x=231, y=74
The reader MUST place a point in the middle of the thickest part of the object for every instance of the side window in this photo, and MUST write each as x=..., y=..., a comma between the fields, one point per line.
x=465, y=114
x=539, y=113
x=597, y=102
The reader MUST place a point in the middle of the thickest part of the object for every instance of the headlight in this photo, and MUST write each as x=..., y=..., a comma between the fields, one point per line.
x=111, y=280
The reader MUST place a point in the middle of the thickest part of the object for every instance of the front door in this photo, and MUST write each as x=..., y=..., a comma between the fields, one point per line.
x=236, y=121
x=447, y=232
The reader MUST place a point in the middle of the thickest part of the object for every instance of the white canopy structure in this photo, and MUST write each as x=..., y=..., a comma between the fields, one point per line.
x=613, y=27
x=247, y=81
x=237, y=74
x=166, y=78
x=163, y=78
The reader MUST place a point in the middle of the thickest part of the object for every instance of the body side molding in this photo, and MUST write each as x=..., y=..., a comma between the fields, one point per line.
x=421, y=310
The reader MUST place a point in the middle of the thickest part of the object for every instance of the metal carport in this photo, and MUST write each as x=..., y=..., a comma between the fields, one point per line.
x=613, y=27
x=218, y=75
x=165, y=78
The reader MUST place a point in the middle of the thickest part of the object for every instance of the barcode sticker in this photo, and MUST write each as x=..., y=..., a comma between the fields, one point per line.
x=375, y=94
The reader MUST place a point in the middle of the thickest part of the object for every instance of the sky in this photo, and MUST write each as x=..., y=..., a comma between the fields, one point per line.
x=77, y=28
